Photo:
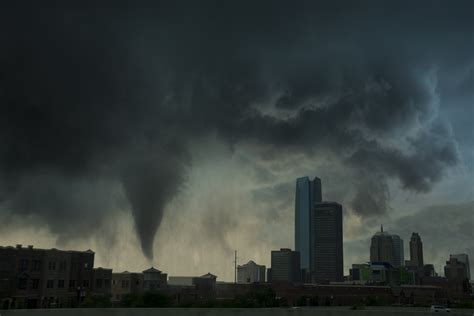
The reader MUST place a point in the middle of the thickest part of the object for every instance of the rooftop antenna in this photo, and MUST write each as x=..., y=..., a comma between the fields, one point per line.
x=235, y=266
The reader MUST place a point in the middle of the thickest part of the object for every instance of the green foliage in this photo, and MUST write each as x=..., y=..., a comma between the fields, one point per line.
x=357, y=307
x=96, y=301
x=308, y=301
x=371, y=301
x=327, y=302
x=375, y=301
x=253, y=299
x=466, y=286
x=466, y=303
x=257, y=298
x=147, y=299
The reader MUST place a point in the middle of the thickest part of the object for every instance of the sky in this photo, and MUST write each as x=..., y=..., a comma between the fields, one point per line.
x=170, y=133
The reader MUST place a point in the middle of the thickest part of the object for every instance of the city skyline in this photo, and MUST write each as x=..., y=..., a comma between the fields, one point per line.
x=149, y=128
x=44, y=278
x=265, y=259
x=52, y=278
x=382, y=252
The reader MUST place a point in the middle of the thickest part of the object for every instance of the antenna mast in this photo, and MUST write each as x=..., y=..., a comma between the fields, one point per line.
x=235, y=267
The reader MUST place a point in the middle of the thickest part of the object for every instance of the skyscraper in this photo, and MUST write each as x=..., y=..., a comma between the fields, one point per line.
x=398, y=251
x=326, y=242
x=455, y=269
x=387, y=248
x=464, y=258
x=382, y=247
x=416, y=251
x=307, y=193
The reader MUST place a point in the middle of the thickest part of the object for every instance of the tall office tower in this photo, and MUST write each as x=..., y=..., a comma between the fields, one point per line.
x=398, y=251
x=382, y=247
x=285, y=266
x=464, y=258
x=416, y=251
x=326, y=242
x=455, y=269
x=307, y=193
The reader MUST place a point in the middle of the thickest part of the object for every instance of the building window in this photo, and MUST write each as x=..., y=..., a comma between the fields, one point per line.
x=62, y=266
x=23, y=265
x=52, y=265
x=113, y=282
x=72, y=283
x=50, y=284
x=106, y=283
x=35, y=284
x=98, y=283
x=22, y=283
x=36, y=265
x=60, y=284
x=85, y=283
x=125, y=284
x=86, y=265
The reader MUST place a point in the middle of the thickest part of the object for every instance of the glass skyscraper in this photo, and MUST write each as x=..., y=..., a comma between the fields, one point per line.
x=398, y=251
x=327, y=259
x=307, y=194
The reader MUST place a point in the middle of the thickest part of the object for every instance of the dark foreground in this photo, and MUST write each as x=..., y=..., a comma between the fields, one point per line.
x=322, y=311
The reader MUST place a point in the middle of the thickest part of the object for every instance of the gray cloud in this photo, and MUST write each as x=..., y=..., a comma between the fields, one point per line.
x=122, y=93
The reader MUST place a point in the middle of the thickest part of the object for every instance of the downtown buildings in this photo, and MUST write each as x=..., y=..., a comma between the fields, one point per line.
x=387, y=248
x=318, y=233
x=463, y=259
x=416, y=251
x=457, y=267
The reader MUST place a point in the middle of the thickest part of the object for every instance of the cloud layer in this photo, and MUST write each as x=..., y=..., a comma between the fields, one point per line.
x=124, y=94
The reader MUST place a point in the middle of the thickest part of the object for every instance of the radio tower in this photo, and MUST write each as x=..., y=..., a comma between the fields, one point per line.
x=235, y=267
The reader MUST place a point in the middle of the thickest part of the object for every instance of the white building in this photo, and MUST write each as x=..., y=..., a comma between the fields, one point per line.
x=250, y=273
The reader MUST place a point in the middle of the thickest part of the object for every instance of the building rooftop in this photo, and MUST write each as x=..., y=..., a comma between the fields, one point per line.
x=152, y=270
x=31, y=247
x=250, y=263
x=209, y=275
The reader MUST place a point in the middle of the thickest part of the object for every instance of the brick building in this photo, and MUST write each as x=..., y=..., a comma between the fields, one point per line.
x=126, y=283
x=102, y=282
x=32, y=278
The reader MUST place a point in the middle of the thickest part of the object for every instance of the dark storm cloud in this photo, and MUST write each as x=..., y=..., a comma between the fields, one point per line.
x=119, y=92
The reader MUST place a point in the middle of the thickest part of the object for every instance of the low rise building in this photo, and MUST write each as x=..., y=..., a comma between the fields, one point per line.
x=181, y=280
x=285, y=266
x=32, y=278
x=126, y=283
x=250, y=273
x=102, y=282
x=206, y=286
x=154, y=279
x=201, y=287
